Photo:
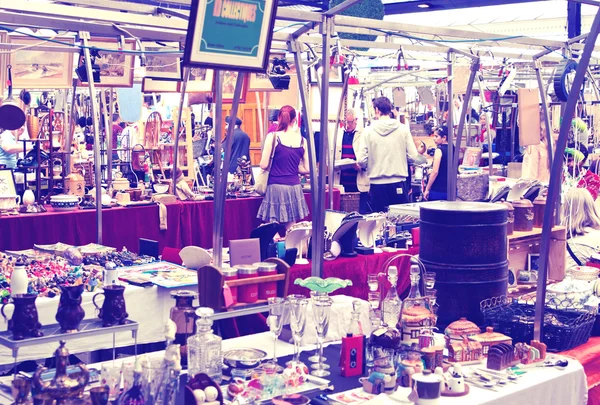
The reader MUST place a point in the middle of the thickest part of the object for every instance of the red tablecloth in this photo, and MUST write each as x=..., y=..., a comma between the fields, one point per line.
x=588, y=355
x=356, y=269
x=188, y=223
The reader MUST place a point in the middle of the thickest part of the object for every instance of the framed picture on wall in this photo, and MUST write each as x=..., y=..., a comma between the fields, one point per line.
x=229, y=80
x=533, y=261
x=159, y=86
x=7, y=183
x=162, y=66
x=260, y=82
x=201, y=81
x=40, y=69
x=116, y=69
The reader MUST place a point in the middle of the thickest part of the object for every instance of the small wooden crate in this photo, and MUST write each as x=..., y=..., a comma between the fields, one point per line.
x=350, y=202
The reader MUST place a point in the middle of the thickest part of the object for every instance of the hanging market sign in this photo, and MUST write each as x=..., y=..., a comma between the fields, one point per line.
x=230, y=34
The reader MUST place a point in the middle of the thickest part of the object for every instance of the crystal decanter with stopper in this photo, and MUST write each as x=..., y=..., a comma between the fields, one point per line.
x=392, y=303
x=204, y=348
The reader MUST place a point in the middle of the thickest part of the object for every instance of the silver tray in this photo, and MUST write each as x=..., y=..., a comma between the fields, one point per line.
x=243, y=357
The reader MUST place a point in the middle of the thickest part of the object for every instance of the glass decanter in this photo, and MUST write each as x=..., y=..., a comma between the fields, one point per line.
x=392, y=303
x=355, y=327
x=204, y=348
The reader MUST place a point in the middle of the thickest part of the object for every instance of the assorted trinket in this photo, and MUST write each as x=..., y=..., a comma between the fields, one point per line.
x=120, y=259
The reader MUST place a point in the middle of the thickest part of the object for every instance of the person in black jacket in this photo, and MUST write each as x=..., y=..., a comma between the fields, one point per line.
x=240, y=144
x=437, y=186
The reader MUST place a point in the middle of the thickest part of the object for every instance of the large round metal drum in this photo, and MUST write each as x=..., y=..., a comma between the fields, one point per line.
x=465, y=244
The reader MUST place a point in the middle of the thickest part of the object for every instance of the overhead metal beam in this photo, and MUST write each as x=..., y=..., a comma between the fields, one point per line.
x=112, y=5
x=340, y=7
x=184, y=15
x=342, y=20
x=57, y=10
x=163, y=33
x=418, y=48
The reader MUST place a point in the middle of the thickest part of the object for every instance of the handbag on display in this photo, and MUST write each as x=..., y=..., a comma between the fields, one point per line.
x=261, y=181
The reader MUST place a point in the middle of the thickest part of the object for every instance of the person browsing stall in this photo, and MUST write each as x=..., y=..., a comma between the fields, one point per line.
x=583, y=227
x=10, y=147
x=384, y=151
x=240, y=144
x=354, y=179
x=437, y=186
x=577, y=175
x=284, y=201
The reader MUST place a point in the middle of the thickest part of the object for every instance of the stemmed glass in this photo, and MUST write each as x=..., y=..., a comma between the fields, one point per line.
x=321, y=313
x=314, y=295
x=373, y=282
x=278, y=310
x=298, y=306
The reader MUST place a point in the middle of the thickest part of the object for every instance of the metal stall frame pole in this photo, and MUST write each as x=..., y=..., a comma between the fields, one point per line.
x=111, y=113
x=296, y=48
x=463, y=114
x=68, y=132
x=85, y=36
x=487, y=125
x=450, y=124
x=318, y=212
x=186, y=77
x=221, y=186
x=108, y=135
x=345, y=76
x=556, y=176
x=218, y=134
x=544, y=102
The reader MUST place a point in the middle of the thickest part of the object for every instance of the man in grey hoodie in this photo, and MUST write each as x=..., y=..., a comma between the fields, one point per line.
x=384, y=150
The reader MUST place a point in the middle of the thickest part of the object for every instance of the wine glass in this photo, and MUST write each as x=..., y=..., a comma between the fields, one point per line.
x=373, y=282
x=298, y=306
x=314, y=295
x=321, y=313
x=278, y=310
x=429, y=280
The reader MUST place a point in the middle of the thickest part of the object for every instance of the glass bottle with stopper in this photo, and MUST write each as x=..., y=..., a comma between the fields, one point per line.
x=204, y=348
x=351, y=358
x=392, y=303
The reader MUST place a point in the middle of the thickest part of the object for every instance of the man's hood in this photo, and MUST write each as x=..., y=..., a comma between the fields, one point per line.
x=384, y=127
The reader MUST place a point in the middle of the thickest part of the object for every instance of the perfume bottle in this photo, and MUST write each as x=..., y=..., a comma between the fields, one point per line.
x=204, y=348
x=392, y=303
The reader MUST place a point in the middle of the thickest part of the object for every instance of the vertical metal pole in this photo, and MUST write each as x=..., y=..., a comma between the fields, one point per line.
x=218, y=133
x=221, y=186
x=85, y=36
x=318, y=212
x=544, y=101
x=111, y=111
x=450, y=125
x=296, y=48
x=186, y=77
x=108, y=134
x=335, y=137
x=68, y=133
x=487, y=124
x=556, y=176
x=463, y=115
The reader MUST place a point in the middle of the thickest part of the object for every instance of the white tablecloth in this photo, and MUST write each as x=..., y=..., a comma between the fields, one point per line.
x=149, y=306
x=540, y=386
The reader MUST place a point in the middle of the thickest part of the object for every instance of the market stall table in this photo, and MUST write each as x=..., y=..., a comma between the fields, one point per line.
x=540, y=386
x=188, y=223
